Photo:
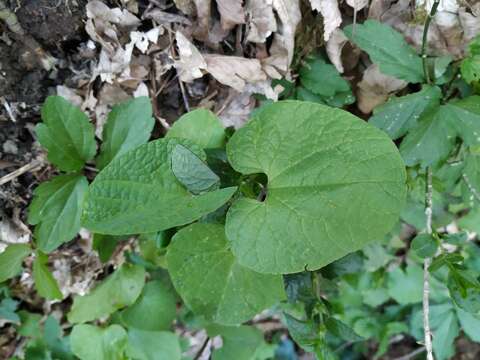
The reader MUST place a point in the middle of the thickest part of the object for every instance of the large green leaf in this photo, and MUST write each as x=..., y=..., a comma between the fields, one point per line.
x=428, y=142
x=45, y=283
x=120, y=289
x=212, y=282
x=400, y=114
x=153, y=345
x=139, y=193
x=200, y=126
x=129, y=125
x=387, y=48
x=470, y=67
x=335, y=184
x=154, y=310
x=66, y=133
x=11, y=260
x=91, y=342
x=56, y=209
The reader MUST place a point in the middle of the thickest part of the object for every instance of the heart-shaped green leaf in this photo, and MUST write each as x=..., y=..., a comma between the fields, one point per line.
x=92, y=342
x=211, y=281
x=335, y=183
x=139, y=193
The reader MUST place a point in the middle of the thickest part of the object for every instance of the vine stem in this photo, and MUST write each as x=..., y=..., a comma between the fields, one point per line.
x=428, y=201
x=426, y=264
x=428, y=20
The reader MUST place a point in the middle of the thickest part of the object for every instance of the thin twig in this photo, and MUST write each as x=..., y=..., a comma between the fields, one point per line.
x=20, y=171
x=471, y=187
x=202, y=348
x=8, y=109
x=411, y=355
x=184, y=94
x=426, y=265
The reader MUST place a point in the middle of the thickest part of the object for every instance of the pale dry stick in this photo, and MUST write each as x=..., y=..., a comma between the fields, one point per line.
x=471, y=187
x=33, y=165
x=8, y=109
x=426, y=274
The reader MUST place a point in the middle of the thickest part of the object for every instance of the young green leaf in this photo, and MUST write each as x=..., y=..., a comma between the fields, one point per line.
x=192, y=172
x=470, y=324
x=139, y=193
x=341, y=330
x=445, y=327
x=239, y=343
x=405, y=287
x=338, y=186
x=120, y=289
x=66, y=133
x=8, y=313
x=45, y=283
x=429, y=142
x=129, y=125
x=322, y=78
x=154, y=310
x=387, y=48
x=464, y=116
x=11, y=260
x=91, y=342
x=424, y=245
x=56, y=210
x=105, y=245
x=305, y=332
x=399, y=115
x=200, y=126
x=209, y=279
x=470, y=67
x=152, y=345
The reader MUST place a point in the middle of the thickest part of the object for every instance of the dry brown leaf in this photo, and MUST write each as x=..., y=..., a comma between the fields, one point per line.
x=281, y=51
x=237, y=111
x=375, y=88
x=262, y=21
x=191, y=62
x=202, y=28
x=231, y=13
x=185, y=6
x=334, y=48
x=470, y=22
x=331, y=15
x=98, y=10
x=163, y=17
x=234, y=71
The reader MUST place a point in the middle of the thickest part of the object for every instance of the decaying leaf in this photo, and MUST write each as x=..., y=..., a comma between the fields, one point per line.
x=231, y=13
x=331, y=15
x=235, y=71
x=334, y=48
x=262, y=21
x=191, y=62
x=375, y=88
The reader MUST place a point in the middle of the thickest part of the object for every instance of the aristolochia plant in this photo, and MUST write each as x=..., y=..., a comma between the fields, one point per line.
x=334, y=184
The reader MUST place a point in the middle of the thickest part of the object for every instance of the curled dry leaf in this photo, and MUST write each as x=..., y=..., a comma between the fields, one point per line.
x=262, y=21
x=202, y=27
x=163, y=17
x=470, y=22
x=334, y=48
x=231, y=13
x=331, y=15
x=375, y=88
x=191, y=62
x=235, y=71
x=281, y=51
x=185, y=6
x=98, y=10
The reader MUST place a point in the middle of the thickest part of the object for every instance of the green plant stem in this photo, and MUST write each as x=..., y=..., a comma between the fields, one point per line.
x=430, y=16
x=426, y=265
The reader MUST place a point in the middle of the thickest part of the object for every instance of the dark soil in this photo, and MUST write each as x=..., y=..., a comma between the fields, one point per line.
x=58, y=26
